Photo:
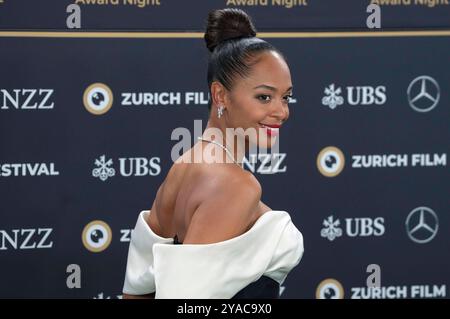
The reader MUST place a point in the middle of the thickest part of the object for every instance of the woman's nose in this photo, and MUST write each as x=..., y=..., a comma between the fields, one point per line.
x=281, y=111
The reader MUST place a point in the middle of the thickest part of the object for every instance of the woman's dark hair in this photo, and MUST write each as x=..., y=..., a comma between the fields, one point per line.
x=231, y=38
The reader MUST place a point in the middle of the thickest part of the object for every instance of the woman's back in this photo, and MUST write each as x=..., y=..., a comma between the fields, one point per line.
x=189, y=187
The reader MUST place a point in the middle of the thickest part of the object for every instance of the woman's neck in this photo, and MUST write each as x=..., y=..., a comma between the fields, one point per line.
x=235, y=143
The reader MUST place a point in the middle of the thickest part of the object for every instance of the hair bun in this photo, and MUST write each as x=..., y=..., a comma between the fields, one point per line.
x=225, y=24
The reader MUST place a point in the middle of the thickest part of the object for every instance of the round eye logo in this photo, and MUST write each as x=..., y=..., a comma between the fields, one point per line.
x=330, y=289
x=330, y=161
x=96, y=236
x=98, y=98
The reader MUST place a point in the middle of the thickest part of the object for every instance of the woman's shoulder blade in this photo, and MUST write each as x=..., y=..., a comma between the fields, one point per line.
x=228, y=208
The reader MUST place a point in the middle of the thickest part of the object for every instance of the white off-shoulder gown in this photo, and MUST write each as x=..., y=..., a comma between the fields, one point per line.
x=272, y=247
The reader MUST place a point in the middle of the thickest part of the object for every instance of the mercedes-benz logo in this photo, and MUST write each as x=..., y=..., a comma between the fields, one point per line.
x=423, y=93
x=422, y=225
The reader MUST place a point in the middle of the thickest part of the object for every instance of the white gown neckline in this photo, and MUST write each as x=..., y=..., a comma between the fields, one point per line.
x=227, y=241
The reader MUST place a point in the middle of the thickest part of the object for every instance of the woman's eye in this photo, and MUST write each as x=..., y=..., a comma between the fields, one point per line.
x=264, y=97
x=288, y=98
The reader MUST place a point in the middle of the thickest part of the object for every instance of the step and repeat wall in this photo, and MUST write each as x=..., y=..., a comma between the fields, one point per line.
x=91, y=92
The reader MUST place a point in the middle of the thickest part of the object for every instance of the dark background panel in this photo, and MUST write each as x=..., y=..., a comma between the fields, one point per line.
x=72, y=138
x=178, y=15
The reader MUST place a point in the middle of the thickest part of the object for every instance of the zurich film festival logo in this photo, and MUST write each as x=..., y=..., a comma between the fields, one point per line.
x=330, y=161
x=361, y=95
x=422, y=225
x=423, y=93
x=96, y=236
x=98, y=98
x=330, y=289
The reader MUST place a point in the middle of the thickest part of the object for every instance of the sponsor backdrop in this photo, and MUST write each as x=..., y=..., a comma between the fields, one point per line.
x=86, y=123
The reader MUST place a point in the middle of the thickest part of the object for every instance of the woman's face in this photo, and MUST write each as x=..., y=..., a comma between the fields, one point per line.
x=260, y=101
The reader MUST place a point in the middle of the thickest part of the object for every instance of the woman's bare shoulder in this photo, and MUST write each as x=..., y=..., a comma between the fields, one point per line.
x=229, y=206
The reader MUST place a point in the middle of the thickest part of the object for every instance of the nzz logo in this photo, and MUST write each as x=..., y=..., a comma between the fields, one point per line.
x=354, y=227
x=268, y=163
x=134, y=166
x=356, y=95
x=29, y=238
x=27, y=99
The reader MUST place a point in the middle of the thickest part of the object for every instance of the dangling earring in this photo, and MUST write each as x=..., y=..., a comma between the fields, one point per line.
x=220, y=111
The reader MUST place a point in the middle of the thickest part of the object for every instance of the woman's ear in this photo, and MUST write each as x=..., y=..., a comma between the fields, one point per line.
x=218, y=94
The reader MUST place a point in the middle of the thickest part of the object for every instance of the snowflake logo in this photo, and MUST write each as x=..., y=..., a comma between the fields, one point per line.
x=331, y=228
x=103, y=170
x=332, y=98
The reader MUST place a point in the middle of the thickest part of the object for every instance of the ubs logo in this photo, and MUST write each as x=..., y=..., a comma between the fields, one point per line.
x=355, y=95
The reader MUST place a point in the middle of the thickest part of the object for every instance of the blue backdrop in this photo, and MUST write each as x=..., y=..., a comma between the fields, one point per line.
x=86, y=117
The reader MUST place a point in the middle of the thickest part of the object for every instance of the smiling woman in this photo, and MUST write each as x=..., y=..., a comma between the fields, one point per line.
x=207, y=233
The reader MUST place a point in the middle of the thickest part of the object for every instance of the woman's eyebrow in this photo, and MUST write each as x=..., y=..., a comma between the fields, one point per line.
x=265, y=86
